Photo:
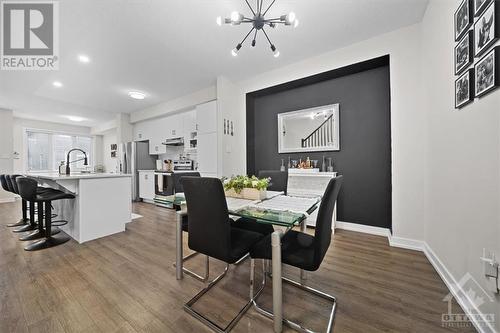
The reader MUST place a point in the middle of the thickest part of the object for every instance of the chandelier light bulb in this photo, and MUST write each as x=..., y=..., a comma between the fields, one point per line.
x=290, y=17
x=218, y=20
x=276, y=53
x=296, y=23
x=235, y=17
x=234, y=52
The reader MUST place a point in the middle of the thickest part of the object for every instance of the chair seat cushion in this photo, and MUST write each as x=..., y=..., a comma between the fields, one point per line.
x=241, y=242
x=296, y=250
x=253, y=225
x=51, y=195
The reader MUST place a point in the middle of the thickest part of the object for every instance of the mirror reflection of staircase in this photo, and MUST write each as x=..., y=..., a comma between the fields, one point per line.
x=322, y=136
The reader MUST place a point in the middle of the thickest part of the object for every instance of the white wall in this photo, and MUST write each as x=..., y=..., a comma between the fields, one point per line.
x=6, y=151
x=20, y=124
x=407, y=116
x=462, y=168
x=110, y=163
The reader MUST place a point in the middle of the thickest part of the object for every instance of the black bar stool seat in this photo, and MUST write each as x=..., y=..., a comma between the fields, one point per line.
x=28, y=189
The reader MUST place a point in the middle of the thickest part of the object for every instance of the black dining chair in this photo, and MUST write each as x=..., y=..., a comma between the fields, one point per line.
x=177, y=185
x=210, y=232
x=279, y=179
x=303, y=250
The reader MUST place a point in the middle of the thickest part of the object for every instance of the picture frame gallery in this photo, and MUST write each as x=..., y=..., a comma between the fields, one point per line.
x=476, y=58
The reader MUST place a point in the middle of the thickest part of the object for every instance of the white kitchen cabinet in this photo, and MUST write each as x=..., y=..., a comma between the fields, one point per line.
x=143, y=130
x=189, y=125
x=174, y=126
x=156, y=147
x=147, y=185
x=206, y=117
x=207, y=153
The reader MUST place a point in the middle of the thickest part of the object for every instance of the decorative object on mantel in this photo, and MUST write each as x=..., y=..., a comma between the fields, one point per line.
x=225, y=132
x=258, y=22
x=487, y=72
x=463, y=18
x=487, y=29
x=464, y=89
x=245, y=187
x=232, y=128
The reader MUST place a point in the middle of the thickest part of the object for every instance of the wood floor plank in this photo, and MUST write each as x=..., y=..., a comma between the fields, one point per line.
x=126, y=283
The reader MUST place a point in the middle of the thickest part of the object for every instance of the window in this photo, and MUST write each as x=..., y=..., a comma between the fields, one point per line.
x=46, y=150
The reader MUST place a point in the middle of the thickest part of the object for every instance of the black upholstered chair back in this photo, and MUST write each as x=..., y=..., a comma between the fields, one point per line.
x=176, y=178
x=279, y=179
x=9, y=183
x=209, y=229
x=27, y=188
x=5, y=186
x=14, y=183
x=323, y=232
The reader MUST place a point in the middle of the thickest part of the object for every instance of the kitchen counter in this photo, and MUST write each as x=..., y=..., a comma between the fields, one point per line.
x=76, y=175
x=102, y=204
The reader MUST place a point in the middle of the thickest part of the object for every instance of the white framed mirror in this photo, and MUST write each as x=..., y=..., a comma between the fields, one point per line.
x=308, y=130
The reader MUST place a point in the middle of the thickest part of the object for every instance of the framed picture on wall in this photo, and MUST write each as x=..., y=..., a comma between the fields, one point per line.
x=486, y=29
x=464, y=89
x=480, y=5
x=487, y=72
x=114, y=146
x=463, y=18
x=464, y=53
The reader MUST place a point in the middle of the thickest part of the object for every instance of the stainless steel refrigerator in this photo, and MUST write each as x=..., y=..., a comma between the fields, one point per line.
x=135, y=156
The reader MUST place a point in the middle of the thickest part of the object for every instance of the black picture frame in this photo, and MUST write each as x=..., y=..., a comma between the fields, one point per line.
x=466, y=44
x=464, y=85
x=480, y=5
x=463, y=18
x=489, y=18
x=487, y=73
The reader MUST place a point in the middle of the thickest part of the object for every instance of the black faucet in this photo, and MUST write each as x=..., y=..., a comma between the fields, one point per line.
x=85, y=161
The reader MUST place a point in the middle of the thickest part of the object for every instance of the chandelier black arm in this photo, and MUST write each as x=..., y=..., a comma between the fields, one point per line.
x=272, y=3
x=265, y=33
x=247, y=35
x=253, y=12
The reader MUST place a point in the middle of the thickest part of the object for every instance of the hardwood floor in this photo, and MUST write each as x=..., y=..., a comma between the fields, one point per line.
x=126, y=283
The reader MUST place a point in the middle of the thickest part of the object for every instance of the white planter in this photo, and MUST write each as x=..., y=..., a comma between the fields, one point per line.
x=247, y=193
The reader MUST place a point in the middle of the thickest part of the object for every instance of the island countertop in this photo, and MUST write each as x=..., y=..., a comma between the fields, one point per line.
x=76, y=175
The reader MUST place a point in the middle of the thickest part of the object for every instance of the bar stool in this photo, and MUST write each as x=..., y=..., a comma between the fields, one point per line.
x=7, y=186
x=28, y=191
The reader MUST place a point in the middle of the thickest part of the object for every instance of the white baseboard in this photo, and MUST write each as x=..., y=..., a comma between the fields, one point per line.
x=367, y=229
x=6, y=200
x=458, y=292
x=406, y=243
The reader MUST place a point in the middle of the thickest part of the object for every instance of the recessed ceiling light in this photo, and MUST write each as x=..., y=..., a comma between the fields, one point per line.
x=57, y=84
x=136, y=95
x=83, y=58
x=75, y=118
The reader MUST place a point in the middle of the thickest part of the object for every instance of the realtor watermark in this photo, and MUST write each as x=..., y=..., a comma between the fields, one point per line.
x=29, y=35
x=475, y=296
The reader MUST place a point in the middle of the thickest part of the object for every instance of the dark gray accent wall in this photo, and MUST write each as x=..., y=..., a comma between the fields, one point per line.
x=365, y=137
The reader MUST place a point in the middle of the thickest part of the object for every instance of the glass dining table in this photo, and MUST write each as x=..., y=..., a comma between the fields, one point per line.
x=277, y=210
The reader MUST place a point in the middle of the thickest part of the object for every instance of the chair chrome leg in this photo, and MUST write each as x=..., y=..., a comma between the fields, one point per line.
x=193, y=274
x=301, y=286
x=242, y=259
x=188, y=307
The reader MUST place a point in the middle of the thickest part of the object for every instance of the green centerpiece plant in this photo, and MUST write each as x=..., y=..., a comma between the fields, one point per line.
x=246, y=187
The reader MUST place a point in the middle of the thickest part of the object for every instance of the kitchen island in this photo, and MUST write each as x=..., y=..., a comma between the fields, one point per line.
x=102, y=207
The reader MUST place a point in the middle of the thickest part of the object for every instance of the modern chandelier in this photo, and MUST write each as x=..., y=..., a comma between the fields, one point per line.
x=258, y=22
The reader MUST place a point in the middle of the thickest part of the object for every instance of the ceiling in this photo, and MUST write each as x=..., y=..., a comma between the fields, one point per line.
x=171, y=48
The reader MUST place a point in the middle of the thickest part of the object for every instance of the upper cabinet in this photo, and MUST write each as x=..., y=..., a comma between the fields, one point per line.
x=206, y=117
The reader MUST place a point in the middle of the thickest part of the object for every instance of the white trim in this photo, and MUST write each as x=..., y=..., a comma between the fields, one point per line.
x=456, y=290
x=367, y=229
x=406, y=243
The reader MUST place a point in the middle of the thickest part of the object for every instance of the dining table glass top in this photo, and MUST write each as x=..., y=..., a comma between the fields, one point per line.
x=277, y=209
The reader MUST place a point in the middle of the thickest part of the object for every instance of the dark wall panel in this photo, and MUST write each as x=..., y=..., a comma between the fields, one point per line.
x=365, y=138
